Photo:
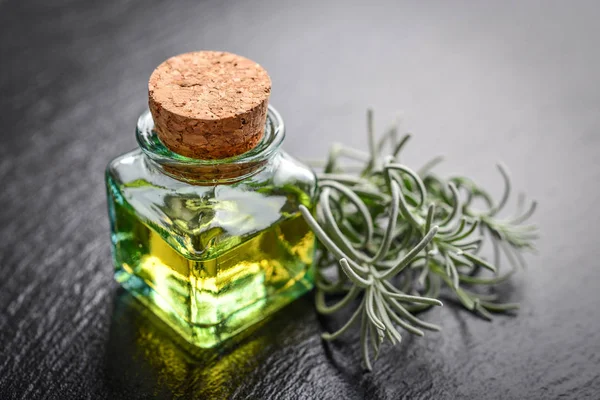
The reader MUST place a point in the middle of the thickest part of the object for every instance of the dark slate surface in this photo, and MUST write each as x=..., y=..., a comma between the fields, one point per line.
x=479, y=81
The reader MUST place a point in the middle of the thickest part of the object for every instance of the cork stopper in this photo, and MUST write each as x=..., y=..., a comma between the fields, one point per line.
x=208, y=104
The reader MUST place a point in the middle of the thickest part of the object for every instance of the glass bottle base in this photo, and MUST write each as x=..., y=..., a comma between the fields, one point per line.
x=206, y=335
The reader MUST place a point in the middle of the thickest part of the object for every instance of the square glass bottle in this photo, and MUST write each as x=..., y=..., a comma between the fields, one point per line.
x=211, y=246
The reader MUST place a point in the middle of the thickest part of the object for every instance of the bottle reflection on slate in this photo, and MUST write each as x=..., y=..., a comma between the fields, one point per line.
x=205, y=221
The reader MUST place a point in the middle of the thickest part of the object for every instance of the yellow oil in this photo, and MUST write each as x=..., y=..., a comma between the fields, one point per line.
x=208, y=300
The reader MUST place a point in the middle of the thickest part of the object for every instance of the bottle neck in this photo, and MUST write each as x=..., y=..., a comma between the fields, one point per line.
x=210, y=172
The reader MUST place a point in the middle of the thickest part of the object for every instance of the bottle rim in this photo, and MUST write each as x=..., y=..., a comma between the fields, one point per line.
x=152, y=146
x=224, y=170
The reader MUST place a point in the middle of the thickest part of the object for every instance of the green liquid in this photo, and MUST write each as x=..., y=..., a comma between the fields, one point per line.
x=211, y=296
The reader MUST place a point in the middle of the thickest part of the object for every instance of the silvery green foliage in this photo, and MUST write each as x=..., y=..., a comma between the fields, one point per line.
x=396, y=239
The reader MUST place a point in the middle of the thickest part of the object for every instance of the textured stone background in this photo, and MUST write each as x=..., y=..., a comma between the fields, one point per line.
x=516, y=81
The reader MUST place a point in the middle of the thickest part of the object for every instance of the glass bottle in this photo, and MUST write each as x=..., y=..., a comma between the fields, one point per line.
x=211, y=246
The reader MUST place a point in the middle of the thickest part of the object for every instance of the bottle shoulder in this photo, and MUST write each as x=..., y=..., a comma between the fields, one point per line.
x=134, y=167
x=200, y=216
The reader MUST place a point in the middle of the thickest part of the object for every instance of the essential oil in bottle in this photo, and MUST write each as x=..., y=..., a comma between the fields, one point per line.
x=205, y=222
